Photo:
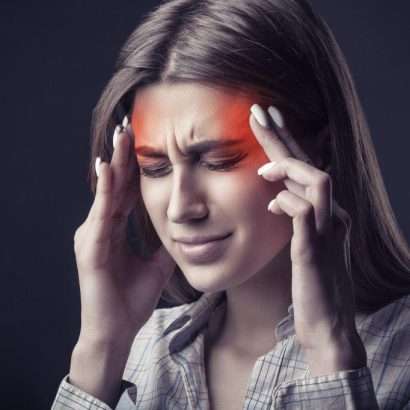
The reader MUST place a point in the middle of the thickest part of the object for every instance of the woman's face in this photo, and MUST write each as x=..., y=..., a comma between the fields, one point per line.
x=186, y=197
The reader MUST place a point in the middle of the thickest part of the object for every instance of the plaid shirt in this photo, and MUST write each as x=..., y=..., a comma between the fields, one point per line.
x=165, y=367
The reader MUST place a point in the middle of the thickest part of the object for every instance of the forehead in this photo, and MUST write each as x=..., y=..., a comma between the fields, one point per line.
x=191, y=112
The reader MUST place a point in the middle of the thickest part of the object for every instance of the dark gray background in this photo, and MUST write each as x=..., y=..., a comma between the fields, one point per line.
x=56, y=58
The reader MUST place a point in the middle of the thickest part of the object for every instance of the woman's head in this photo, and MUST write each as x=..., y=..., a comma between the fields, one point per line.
x=212, y=190
x=280, y=52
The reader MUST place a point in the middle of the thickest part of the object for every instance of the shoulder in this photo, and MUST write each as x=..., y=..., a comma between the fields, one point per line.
x=390, y=319
x=386, y=336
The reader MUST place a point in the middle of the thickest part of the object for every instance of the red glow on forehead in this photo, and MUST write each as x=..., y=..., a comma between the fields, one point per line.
x=228, y=121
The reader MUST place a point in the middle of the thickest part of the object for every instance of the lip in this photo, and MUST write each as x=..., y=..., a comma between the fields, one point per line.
x=204, y=252
x=200, y=239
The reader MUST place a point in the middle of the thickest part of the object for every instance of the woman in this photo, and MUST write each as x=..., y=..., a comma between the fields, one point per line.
x=301, y=305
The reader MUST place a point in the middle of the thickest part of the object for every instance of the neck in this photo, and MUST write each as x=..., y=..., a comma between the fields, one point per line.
x=254, y=308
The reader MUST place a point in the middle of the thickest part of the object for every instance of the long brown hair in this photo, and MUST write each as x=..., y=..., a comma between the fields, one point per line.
x=285, y=52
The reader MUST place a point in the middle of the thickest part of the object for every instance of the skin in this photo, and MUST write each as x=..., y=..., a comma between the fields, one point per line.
x=274, y=257
x=294, y=252
x=255, y=271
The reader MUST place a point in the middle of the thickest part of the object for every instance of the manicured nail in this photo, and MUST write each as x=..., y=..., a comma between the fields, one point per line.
x=125, y=121
x=267, y=167
x=115, y=137
x=97, y=166
x=276, y=116
x=260, y=115
x=271, y=204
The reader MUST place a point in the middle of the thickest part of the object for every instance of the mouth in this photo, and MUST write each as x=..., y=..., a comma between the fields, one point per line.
x=200, y=239
x=205, y=251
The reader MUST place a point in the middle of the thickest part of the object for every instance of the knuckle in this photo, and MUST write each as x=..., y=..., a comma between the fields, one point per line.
x=281, y=195
x=284, y=162
x=306, y=210
x=323, y=179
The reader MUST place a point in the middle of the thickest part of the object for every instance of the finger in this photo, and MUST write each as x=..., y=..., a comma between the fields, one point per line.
x=294, y=187
x=286, y=137
x=132, y=185
x=273, y=147
x=119, y=164
x=125, y=171
x=317, y=185
x=299, y=171
x=127, y=198
x=274, y=137
x=127, y=204
x=124, y=167
x=100, y=213
x=306, y=176
x=92, y=211
x=300, y=210
x=132, y=159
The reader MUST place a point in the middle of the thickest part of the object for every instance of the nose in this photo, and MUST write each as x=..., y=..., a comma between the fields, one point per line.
x=186, y=201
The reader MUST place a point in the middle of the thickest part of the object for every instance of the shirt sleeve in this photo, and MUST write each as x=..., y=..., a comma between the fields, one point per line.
x=71, y=397
x=343, y=390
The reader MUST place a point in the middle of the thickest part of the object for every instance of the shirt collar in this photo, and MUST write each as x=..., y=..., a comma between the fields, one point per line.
x=187, y=325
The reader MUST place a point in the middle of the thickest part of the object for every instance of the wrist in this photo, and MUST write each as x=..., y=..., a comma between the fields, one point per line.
x=97, y=368
x=103, y=343
x=347, y=352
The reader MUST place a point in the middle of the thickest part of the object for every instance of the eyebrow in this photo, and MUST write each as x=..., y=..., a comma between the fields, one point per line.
x=197, y=148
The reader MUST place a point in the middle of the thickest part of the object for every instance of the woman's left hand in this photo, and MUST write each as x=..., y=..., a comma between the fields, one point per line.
x=322, y=289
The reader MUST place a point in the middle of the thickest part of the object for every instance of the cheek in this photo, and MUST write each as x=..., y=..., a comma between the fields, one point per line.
x=246, y=194
x=255, y=224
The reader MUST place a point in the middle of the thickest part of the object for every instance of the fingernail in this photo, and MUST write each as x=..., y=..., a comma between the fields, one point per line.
x=271, y=204
x=276, y=116
x=97, y=166
x=115, y=137
x=125, y=121
x=259, y=114
x=267, y=167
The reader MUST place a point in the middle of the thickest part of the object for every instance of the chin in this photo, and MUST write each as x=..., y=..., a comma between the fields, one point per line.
x=206, y=279
x=211, y=280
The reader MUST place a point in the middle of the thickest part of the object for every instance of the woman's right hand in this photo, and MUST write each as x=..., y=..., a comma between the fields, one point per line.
x=119, y=291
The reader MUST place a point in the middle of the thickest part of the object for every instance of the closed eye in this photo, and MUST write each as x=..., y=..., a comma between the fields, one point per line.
x=156, y=172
